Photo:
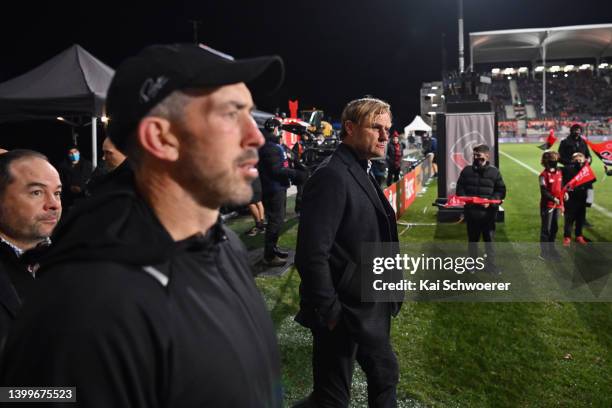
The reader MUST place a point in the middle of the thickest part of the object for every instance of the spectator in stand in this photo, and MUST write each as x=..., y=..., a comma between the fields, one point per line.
x=30, y=207
x=395, y=153
x=276, y=177
x=551, y=202
x=575, y=201
x=74, y=173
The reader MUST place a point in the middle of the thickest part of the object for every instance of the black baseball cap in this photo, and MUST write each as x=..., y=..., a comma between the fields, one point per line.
x=144, y=80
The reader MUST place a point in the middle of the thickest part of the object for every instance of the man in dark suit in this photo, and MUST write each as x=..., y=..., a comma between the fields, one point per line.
x=30, y=207
x=342, y=208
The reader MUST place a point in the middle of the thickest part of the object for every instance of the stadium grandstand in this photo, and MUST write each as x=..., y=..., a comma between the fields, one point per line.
x=547, y=77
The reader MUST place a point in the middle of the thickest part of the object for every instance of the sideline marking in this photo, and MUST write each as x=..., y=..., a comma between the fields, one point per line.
x=599, y=208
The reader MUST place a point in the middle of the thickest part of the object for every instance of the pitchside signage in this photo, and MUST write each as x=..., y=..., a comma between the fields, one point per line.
x=464, y=131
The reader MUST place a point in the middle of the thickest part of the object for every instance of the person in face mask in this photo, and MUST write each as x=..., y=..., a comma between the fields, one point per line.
x=574, y=143
x=481, y=179
x=551, y=202
x=575, y=202
x=75, y=172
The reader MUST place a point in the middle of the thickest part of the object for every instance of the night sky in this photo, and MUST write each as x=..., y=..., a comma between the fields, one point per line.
x=334, y=51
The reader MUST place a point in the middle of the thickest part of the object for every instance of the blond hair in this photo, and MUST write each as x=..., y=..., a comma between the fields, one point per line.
x=362, y=111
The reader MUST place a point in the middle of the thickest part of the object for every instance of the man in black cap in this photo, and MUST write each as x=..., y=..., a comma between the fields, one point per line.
x=158, y=307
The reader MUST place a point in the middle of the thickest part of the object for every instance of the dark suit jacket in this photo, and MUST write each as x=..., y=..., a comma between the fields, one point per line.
x=341, y=209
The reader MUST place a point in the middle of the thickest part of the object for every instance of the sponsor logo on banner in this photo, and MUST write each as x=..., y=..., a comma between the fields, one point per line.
x=461, y=152
x=409, y=188
x=391, y=194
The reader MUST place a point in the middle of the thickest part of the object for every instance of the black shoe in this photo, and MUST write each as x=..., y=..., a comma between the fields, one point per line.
x=280, y=253
x=274, y=261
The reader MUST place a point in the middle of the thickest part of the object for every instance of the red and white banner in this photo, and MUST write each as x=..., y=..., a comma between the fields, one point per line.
x=585, y=175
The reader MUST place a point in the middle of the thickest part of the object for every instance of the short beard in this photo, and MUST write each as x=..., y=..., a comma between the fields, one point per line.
x=212, y=188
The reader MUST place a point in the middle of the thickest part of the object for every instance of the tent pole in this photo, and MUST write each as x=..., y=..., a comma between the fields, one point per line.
x=94, y=141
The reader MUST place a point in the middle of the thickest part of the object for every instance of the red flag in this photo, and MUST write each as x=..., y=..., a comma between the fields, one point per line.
x=551, y=139
x=460, y=201
x=603, y=151
x=585, y=175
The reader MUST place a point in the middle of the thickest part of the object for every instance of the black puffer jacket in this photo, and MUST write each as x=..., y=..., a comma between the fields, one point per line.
x=485, y=182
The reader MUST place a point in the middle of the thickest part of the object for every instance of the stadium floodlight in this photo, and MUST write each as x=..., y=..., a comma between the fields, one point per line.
x=509, y=71
x=539, y=68
x=568, y=68
x=434, y=105
x=104, y=119
x=495, y=71
x=603, y=65
x=523, y=69
x=433, y=88
x=509, y=78
x=555, y=68
x=566, y=75
x=584, y=66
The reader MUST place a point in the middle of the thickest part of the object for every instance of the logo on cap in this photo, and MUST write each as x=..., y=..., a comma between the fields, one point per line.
x=151, y=87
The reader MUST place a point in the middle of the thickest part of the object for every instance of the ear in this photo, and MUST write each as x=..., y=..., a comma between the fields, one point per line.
x=350, y=127
x=156, y=139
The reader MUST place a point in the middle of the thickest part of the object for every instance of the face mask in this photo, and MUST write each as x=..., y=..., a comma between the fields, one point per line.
x=74, y=157
x=478, y=162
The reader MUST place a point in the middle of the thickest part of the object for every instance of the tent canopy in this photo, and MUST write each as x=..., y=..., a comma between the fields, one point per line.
x=418, y=124
x=586, y=41
x=73, y=83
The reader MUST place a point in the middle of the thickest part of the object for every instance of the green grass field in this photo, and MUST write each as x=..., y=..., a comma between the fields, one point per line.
x=547, y=354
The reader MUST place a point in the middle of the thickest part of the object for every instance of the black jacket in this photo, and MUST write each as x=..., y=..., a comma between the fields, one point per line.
x=78, y=176
x=485, y=182
x=341, y=210
x=15, y=283
x=569, y=146
x=134, y=319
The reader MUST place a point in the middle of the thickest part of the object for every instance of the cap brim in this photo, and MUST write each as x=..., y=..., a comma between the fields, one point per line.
x=262, y=74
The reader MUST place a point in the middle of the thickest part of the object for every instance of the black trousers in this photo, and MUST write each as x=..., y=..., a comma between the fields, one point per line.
x=393, y=175
x=575, y=213
x=480, y=222
x=298, y=197
x=333, y=358
x=274, y=206
x=550, y=224
x=548, y=229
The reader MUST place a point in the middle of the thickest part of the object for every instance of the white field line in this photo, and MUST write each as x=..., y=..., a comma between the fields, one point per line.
x=599, y=208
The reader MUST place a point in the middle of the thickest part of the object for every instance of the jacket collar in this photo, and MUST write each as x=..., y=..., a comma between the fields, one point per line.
x=359, y=173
